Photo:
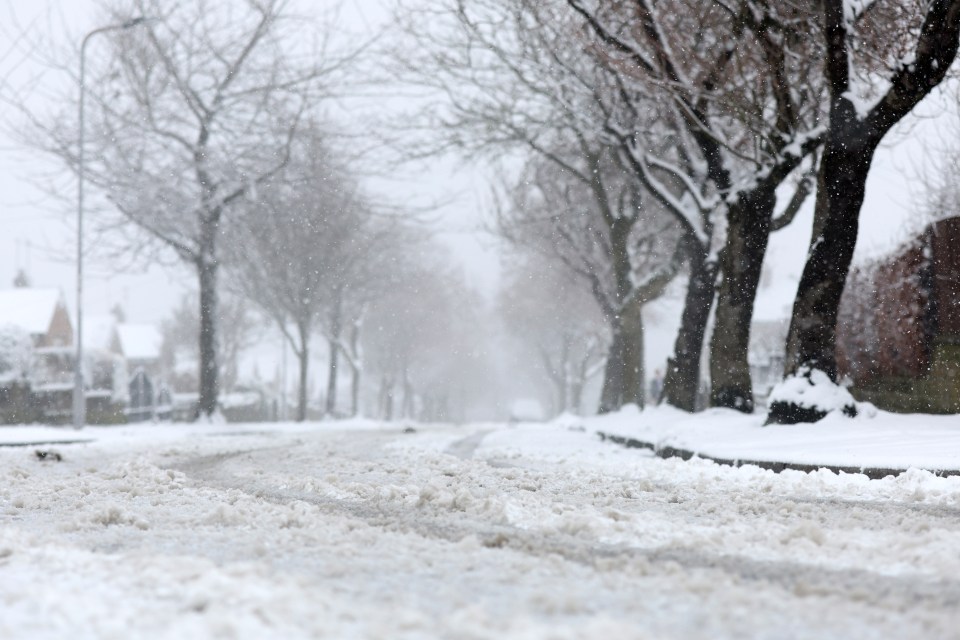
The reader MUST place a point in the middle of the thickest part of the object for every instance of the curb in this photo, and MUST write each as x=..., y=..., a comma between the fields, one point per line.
x=40, y=443
x=665, y=452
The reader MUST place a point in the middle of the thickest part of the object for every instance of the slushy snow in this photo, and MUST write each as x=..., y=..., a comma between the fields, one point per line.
x=359, y=530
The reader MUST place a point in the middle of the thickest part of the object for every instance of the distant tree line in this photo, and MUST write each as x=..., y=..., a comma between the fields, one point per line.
x=208, y=134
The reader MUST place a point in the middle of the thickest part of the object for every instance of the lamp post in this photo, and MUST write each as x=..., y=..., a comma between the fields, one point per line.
x=79, y=400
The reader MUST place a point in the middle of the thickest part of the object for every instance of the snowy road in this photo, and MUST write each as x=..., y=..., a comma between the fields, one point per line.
x=473, y=532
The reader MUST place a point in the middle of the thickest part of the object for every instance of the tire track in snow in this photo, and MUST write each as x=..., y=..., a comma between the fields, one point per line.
x=466, y=447
x=443, y=524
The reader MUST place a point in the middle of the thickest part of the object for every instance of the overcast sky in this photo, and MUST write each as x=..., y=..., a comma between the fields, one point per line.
x=37, y=232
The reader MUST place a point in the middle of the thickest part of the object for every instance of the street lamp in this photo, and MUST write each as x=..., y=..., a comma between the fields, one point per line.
x=79, y=401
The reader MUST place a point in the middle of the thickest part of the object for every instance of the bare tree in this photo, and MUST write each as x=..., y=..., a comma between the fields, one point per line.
x=594, y=225
x=882, y=59
x=736, y=85
x=370, y=257
x=310, y=253
x=189, y=114
x=558, y=324
x=428, y=342
x=179, y=353
x=516, y=78
x=709, y=136
x=276, y=249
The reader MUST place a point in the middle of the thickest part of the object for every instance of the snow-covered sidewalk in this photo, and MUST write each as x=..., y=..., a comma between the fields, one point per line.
x=876, y=440
x=480, y=531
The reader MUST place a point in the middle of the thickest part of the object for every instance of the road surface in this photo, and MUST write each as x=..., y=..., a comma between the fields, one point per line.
x=462, y=532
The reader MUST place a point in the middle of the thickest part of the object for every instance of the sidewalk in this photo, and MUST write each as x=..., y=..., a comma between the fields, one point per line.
x=876, y=443
x=36, y=435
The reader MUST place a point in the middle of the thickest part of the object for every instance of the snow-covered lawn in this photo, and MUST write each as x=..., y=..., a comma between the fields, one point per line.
x=360, y=530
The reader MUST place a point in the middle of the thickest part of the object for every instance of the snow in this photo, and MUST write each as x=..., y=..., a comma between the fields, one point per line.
x=139, y=341
x=239, y=399
x=527, y=410
x=795, y=148
x=853, y=9
x=874, y=439
x=686, y=207
x=98, y=331
x=812, y=389
x=29, y=309
x=358, y=529
x=16, y=352
x=865, y=99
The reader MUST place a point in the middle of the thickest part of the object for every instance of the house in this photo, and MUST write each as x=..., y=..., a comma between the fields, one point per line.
x=107, y=377
x=137, y=347
x=140, y=345
x=41, y=313
x=898, y=334
x=44, y=388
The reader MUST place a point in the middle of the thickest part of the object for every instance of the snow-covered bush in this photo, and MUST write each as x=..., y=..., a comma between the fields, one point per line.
x=16, y=353
x=808, y=396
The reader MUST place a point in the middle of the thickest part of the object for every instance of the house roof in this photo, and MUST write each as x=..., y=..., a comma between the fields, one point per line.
x=139, y=341
x=98, y=331
x=29, y=309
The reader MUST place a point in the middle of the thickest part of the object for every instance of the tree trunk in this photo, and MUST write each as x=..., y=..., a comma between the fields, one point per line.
x=558, y=397
x=562, y=377
x=748, y=233
x=386, y=398
x=624, y=376
x=625, y=358
x=304, y=357
x=576, y=396
x=355, y=371
x=331, y=403
x=633, y=371
x=841, y=187
x=354, y=390
x=407, y=406
x=208, y=268
x=682, y=381
x=611, y=396
x=334, y=345
x=812, y=340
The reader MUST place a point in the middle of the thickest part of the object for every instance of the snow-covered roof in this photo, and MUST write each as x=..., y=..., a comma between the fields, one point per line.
x=139, y=341
x=29, y=309
x=98, y=331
